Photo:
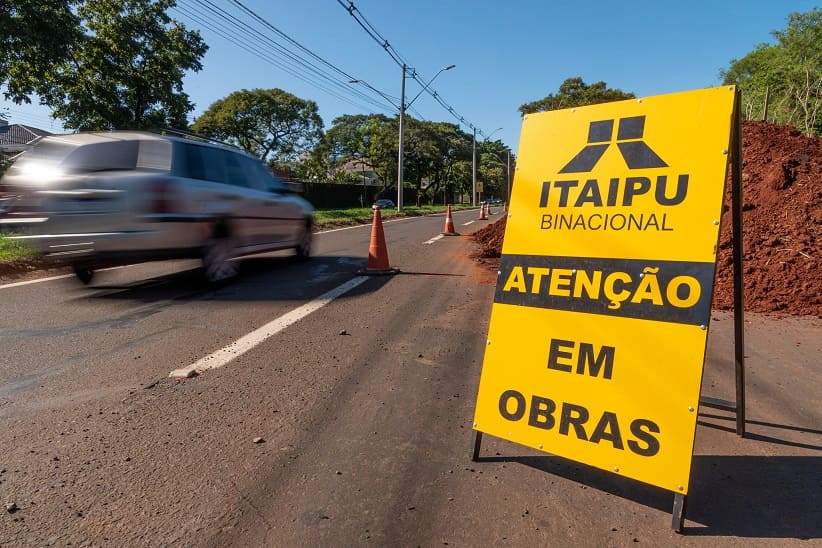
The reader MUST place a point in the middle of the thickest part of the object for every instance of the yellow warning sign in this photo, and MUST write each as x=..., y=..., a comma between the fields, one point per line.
x=599, y=323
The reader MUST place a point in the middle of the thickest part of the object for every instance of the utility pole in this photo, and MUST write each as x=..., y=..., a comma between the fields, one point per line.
x=403, y=106
x=402, y=143
x=508, y=165
x=474, y=166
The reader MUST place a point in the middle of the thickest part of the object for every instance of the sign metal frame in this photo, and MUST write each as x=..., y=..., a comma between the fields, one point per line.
x=737, y=407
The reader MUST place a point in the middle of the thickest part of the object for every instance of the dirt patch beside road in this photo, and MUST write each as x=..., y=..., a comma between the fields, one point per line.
x=782, y=203
x=29, y=268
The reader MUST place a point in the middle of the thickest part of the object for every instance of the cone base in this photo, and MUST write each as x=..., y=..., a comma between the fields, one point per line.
x=450, y=233
x=378, y=271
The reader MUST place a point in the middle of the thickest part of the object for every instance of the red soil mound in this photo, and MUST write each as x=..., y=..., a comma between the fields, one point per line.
x=782, y=215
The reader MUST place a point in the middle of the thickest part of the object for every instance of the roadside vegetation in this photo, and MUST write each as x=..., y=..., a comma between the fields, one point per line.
x=13, y=249
x=330, y=218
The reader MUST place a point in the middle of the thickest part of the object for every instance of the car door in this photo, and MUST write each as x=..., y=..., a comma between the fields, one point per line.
x=255, y=210
x=284, y=214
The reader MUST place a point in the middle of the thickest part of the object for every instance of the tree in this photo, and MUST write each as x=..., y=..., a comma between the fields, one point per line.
x=756, y=74
x=574, y=92
x=492, y=167
x=272, y=124
x=34, y=36
x=789, y=72
x=432, y=151
x=123, y=70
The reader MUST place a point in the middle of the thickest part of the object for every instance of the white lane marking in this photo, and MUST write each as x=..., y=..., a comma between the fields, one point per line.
x=61, y=276
x=249, y=341
x=38, y=280
x=468, y=223
x=434, y=239
x=343, y=228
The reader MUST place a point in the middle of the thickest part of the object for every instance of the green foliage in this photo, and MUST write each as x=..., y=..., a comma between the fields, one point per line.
x=788, y=72
x=493, y=168
x=574, y=92
x=34, y=36
x=14, y=249
x=272, y=124
x=329, y=218
x=118, y=64
x=369, y=139
x=431, y=150
x=437, y=155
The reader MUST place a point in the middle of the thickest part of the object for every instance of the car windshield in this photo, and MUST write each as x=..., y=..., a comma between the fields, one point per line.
x=57, y=157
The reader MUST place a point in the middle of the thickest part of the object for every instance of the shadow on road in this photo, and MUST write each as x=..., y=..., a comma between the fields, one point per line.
x=760, y=437
x=739, y=496
x=263, y=278
x=755, y=496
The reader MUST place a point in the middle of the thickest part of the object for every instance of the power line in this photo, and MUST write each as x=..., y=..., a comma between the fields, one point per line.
x=229, y=27
x=395, y=55
x=265, y=48
x=373, y=32
x=306, y=50
x=15, y=116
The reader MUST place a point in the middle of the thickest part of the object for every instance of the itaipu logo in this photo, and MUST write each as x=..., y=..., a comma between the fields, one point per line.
x=577, y=202
x=636, y=153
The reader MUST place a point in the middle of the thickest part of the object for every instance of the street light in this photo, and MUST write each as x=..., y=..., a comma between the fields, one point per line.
x=493, y=132
x=403, y=106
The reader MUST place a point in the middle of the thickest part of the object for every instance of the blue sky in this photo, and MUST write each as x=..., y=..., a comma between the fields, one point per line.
x=506, y=53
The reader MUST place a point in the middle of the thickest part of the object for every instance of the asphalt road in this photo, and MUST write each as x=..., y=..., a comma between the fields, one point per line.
x=350, y=426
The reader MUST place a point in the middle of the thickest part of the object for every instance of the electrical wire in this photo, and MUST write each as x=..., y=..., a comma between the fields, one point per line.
x=395, y=55
x=264, y=48
x=15, y=116
x=311, y=53
x=260, y=44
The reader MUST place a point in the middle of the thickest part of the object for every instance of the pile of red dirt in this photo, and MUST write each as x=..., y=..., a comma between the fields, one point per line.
x=782, y=215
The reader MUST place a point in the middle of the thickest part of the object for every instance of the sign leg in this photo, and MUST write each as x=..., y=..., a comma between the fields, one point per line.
x=678, y=514
x=739, y=309
x=476, y=441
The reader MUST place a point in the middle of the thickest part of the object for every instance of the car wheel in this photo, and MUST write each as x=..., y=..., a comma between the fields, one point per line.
x=303, y=249
x=218, y=265
x=83, y=274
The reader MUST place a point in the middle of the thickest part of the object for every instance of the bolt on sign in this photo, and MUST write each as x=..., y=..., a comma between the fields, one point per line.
x=599, y=324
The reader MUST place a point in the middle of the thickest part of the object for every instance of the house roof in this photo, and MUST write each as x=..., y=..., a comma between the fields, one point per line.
x=14, y=135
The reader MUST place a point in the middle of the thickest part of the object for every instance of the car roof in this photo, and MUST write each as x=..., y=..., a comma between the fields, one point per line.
x=94, y=137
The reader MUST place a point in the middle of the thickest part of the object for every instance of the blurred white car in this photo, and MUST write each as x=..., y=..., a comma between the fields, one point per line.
x=107, y=198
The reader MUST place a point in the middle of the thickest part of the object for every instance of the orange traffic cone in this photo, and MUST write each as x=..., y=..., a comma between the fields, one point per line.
x=449, y=224
x=488, y=210
x=482, y=216
x=377, y=252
